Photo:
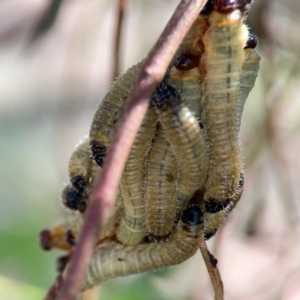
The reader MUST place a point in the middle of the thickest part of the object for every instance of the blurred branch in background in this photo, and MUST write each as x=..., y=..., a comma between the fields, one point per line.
x=123, y=6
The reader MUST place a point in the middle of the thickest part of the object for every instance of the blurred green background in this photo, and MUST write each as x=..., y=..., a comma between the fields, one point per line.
x=49, y=90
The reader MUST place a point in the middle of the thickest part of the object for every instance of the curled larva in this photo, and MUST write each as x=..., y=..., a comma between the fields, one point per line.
x=132, y=227
x=217, y=212
x=112, y=260
x=109, y=113
x=160, y=187
x=182, y=130
x=224, y=43
x=248, y=77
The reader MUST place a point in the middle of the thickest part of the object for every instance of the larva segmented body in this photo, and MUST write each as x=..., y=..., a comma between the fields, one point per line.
x=216, y=212
x=112, y=260
x=132, y=227
x=182, y=130
x=188, y=83
x=160, y=187
x=249, y=73
x=224, y=56
x=111, y=108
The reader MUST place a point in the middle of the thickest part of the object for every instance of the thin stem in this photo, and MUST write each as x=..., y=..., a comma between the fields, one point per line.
x=122, y=11
x=213, y=271
x=104, y=193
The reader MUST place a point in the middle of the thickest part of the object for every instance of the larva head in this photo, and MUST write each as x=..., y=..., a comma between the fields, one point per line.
x=228, y=6
x=165, y=96
x=46, y=239
x=186, y=61
x=98, y=152
x=251, y=42
x=192, y=216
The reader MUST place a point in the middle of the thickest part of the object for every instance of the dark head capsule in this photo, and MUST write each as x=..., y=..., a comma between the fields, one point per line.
x=46, y=239
x=225, y=6
x=192, y=215
x=185, y=62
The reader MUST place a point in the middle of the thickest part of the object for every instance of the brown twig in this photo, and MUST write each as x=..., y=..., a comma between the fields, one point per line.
x=122, y=10
x=213, y=271
x=104, y=193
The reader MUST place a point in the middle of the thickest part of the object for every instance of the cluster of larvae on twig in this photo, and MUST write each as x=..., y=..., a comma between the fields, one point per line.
x=184, y=172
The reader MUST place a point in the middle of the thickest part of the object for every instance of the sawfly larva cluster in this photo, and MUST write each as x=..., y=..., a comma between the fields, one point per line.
x=184, y=173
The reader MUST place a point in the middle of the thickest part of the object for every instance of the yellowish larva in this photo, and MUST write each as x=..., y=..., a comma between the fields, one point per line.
x=132, y=227
x=183, y=132
x=223, y=59
x=112, y=260
x=249, y=73
x=160, y=187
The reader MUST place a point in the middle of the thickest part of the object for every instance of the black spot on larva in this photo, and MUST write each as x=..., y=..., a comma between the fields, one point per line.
x=70, y=238
x=192, y=215
x=251, y=42
x=241, y=182
x=121, y=259
x=98, y=152
x=46, y=239
x=212, y=259
x=225, y=6
x=72, y=199
x=165, y=96
x=208, y=8
x=79, y=184
x=186, y=61
x=82, y=206
x=61, y=263
x=214, y=206
x=208, y=235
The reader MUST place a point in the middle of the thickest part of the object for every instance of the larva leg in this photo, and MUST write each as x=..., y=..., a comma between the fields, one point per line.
x=109, y=113
x=183, y=132
x=132, y=227
x=112, y=260
x=216, y=212
x=249, y=73
x=160, y=187
x=224, y=55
